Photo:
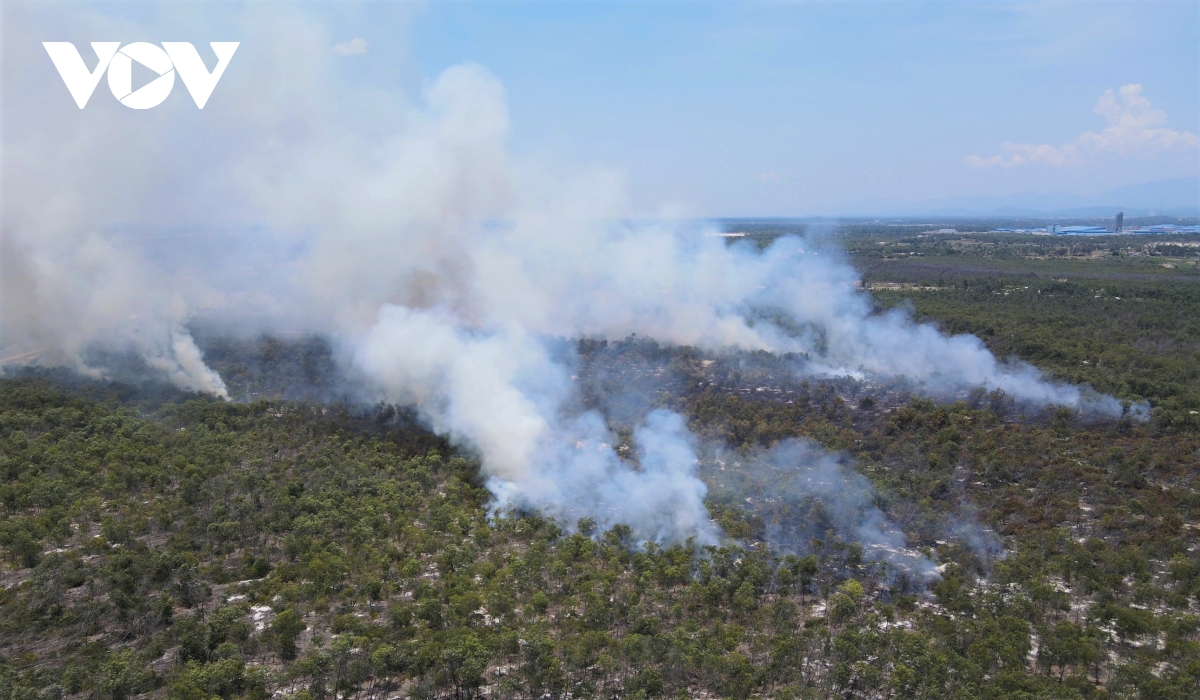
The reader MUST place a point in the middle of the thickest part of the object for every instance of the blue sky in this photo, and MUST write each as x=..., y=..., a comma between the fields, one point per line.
x=792, y=108
x=748, y=109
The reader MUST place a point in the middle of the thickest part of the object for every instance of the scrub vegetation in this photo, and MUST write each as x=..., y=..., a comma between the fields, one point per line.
x=167, y=544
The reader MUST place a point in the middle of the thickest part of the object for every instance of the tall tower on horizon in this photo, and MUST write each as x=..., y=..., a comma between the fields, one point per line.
x=1120, y=222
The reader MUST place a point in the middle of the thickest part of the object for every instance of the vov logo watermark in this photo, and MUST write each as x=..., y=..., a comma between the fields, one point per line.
x=172, y=57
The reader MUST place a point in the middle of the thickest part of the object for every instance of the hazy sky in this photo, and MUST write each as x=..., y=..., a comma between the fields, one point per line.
x=773, y=108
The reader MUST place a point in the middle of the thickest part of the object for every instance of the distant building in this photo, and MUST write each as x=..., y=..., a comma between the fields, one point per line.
x=1120, y=222
x=1167, y=228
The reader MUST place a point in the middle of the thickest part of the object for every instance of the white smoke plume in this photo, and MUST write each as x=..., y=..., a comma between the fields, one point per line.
x=74, y=293
x=405, y=229
x=499, y=392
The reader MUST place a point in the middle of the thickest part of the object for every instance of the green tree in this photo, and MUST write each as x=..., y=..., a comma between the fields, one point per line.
x=463, y=663
x=285, y=630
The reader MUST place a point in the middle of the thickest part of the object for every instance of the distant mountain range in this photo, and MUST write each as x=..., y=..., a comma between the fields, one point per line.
x=1175, y=197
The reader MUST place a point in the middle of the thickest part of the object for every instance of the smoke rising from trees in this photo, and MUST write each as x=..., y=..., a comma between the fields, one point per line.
x=439, y=262
x=808, y=496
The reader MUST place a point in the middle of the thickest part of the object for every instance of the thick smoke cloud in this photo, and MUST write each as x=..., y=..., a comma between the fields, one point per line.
x=404, y=229
x=500, y=393
x=76, y=294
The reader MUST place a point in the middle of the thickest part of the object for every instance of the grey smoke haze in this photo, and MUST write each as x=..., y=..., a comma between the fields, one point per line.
x=382, y=209
x=983, y=543
x=808, y=494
